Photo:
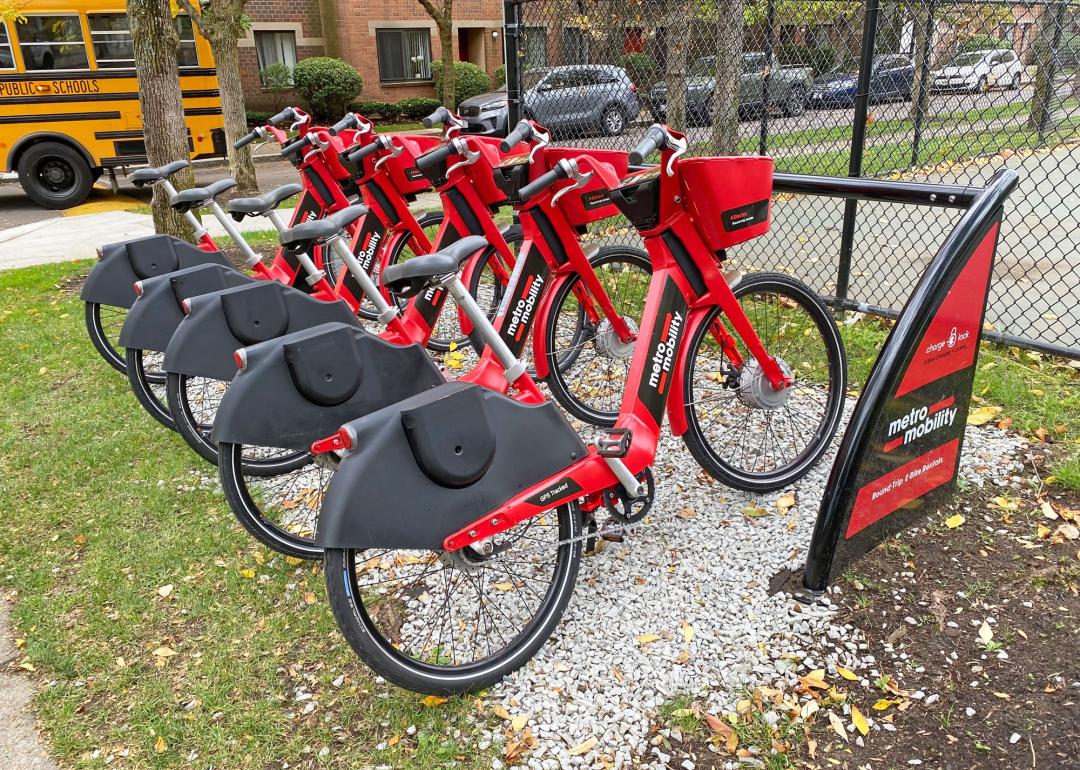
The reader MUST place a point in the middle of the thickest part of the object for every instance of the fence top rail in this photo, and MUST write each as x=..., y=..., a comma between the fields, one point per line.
x=882, y=190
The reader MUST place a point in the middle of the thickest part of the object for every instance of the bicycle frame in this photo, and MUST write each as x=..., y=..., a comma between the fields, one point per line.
x=686, y=285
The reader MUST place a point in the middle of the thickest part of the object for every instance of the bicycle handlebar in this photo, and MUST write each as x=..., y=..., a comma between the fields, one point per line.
x=654, y=139
x=441, y=115
x=522, y=131
x=245, y=140
x=543, y=182
x=285, y=116
x=357, y=155
x=432, y=158
x=347, y=122
x=294, y=146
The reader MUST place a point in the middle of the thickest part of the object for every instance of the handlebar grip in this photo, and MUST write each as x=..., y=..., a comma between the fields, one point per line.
x=285, y=115
x=245, y=140
x=542, y=182
x=294, y=146
x=432, y=158
x=441, y=115
x=357, y=155
x=521, y=132
x=349, y=121
x=655, y=138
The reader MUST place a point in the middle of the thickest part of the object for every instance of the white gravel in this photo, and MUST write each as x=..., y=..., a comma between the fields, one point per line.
x=709, y=573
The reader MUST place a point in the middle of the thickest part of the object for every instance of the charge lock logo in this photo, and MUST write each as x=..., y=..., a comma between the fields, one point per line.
x=919, y=422
x=955, y=338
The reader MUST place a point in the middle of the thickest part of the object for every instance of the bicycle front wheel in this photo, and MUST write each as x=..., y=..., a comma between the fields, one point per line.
x=587, y=362
x=741, y=431
x=452, y=622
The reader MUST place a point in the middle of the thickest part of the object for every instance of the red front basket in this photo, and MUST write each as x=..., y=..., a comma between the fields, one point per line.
x=729, y=199
x=402, y=170
x=591, y=202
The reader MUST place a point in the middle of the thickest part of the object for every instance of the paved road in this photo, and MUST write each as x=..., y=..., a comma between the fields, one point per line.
x=17, y=209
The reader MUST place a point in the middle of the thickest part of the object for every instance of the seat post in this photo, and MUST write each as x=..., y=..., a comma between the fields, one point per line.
x=230, y=228
x=189, y=215
x=512, y=367
x=314, y=274
x=387, y=312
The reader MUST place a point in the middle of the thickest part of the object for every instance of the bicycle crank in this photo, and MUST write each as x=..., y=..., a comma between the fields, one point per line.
x=630, y=510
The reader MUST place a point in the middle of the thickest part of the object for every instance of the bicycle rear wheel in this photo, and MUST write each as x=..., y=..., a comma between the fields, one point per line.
x=587, y=363
x=741, y=431
x=103, y=323
x=146, y=376
x=439, y=622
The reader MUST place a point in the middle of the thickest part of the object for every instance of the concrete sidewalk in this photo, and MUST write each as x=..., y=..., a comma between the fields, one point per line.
x=66, y=238
x=20, y=746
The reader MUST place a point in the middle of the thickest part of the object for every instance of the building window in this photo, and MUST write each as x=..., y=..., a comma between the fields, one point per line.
x=52, y=43
x=276, y=48
x=404, y=54
x=533, y=48
x=575, y=46
x=111, y=38
x=7, y=58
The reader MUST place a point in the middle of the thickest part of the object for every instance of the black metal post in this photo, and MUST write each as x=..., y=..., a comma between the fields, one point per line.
x=1051, y=72
x=920, y=97
x=511, y=16
x=858, y=142
x=770, y=24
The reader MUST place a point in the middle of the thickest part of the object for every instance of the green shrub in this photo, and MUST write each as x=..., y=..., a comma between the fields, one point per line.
x=640, y=67
x=384, y=111
x=498, y=77
x=818, y=58
x=327, y=84
x=258, y=117
x=417, y=107
x=277, y=79
x=982, y=43
x=469, y=80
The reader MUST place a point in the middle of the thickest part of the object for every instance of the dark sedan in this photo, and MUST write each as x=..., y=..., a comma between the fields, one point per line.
x=891, y=79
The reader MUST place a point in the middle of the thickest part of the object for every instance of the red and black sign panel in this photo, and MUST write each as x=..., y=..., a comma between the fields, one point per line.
x=907, y=456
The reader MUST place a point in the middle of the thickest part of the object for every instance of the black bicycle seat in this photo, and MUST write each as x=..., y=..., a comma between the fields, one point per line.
x=193, y=198
x=150, y=175
x=320, y=229
x=412, y=276
x=253, y=207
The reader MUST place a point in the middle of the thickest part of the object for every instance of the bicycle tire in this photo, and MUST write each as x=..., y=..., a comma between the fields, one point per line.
x=111, y=352
x=142, y=385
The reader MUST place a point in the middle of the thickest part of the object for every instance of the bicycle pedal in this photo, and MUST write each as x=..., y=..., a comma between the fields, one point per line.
x=614, y=443
x=613, y=537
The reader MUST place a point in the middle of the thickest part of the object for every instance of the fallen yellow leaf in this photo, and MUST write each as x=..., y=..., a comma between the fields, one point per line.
x=431, y=701
x=501, y=712
x=165, y=590
x=647, y=638
x=583, y=748
x=687, y=632
x=504, y=586
x=519, y=722
x=784, y=502
x=985, y=633
x=848, y=675
x=883, y=704
x=159, y=745
x=164, y=652
x=247, y=572
x=859, y=720
x=954, y=521
x=982, y=415
x=837, y=725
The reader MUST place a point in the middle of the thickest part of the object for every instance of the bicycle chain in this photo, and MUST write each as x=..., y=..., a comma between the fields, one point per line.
x=613, y=529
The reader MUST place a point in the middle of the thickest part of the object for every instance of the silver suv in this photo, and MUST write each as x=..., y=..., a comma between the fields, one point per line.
x=594, y=97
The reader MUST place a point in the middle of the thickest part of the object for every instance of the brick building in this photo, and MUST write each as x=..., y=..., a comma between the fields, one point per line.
x=390, y=42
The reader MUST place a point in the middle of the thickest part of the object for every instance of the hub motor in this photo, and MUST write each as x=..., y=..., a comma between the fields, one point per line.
x=608, y=344
x=755, y=389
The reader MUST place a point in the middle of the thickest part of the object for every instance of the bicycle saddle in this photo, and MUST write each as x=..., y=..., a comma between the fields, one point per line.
x=186, y=200
x=413, y=276
x=320, y=229
x=254, y=207
x=146, y=176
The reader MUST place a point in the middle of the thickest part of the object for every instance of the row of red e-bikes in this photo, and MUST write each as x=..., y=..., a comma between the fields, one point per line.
x=452, y=513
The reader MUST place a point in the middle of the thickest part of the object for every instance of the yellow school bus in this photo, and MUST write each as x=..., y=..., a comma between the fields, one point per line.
x=69, y=98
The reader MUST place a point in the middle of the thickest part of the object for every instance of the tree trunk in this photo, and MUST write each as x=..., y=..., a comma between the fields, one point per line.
x=449, y=79
x=155, y=42
x=227, y=61
x=1042, y=100
x=920, y=86
x=677, y=38
x=724, y=136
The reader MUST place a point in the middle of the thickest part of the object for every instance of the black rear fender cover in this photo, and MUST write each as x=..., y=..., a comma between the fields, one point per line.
x=204, y=342
x=155, y=315
x=111, y=280
x=393, y=492
x=283, y=398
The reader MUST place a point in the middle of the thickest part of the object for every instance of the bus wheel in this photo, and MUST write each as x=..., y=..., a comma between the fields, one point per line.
x=55, y=175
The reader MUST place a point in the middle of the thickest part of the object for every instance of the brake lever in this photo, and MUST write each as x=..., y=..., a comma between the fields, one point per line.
x=394, y=152
x=461, y=147
x=456, y=124
x=302, y=122
x=319, y=144
x=542, y=141
x=580, y=180
x=679, y=146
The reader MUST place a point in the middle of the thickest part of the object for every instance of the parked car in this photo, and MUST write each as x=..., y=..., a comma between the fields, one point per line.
x=891, y=79
x=788, y=87
x=594, y=97
x=979, y=71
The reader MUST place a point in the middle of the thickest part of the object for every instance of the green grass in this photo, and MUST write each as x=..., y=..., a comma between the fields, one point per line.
x=102, y=507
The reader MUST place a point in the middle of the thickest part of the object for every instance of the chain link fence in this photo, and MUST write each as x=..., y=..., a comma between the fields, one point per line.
x=927, y=90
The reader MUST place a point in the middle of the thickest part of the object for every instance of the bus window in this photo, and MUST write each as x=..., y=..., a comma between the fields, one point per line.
x=111, y=39
x=7, y=58
x=52, y=43
x=186, y=55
